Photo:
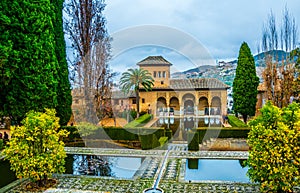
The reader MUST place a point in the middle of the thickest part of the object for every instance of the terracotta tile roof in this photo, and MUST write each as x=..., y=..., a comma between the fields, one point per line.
x=195, y=83
x=154, y=60
x=121, y=95
x=200, y=83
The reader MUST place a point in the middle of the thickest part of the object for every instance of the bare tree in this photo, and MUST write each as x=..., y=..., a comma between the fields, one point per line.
x=279, y=73
x=85, y=26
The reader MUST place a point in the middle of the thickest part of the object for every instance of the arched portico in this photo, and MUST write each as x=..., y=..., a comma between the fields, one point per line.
x=188, y=103
x=174, y=103
x=215, y=106
x=161, y=104
x=203, y=106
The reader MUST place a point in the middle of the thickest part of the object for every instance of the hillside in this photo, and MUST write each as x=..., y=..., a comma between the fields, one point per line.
x=225, y=71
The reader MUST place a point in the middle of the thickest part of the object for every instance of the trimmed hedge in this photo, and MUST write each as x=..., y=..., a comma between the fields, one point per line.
x=236, y=122
x=149, y=141
x=222, y=132
x=193, y=141
x=149, y=137
x=139, y=121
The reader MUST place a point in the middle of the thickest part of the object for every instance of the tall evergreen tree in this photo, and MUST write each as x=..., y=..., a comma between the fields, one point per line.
x=5, y=49
x=245, y=83
x=31, y=65
x=64, y=97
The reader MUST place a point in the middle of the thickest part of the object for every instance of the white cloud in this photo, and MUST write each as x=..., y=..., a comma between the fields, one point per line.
x=219, y=27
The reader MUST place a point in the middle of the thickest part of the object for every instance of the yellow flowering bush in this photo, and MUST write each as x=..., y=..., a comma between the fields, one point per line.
x=35, y=150
x=274, y=140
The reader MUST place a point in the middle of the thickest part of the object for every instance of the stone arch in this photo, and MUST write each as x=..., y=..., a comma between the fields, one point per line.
x=203, y=103
x=215, y=106
x=188, y=103
x=174, y=102
x=161, y=103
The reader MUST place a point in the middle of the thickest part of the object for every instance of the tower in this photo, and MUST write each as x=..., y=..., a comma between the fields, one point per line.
x=159, y=69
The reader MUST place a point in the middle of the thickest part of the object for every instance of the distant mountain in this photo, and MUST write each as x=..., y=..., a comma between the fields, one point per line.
x=280, y=54
x=225, y=71
x=200, y=69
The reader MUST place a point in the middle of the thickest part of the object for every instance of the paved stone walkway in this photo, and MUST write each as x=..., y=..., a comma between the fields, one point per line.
x=176, y=152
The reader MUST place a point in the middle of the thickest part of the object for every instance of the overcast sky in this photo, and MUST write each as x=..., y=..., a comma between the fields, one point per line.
x=183, y=30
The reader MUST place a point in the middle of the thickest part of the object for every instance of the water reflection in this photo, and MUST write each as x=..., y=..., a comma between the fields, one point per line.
x=91, y=165
x=180, y=126
x=215, y=170
x=95, y=165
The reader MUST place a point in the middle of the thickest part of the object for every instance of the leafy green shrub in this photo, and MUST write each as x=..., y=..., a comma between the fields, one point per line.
x=235, y=122
x=35, y=150
x=1, y=144
x=274, y=155
x=139, y=121
x=73, y=132
x=133, y=114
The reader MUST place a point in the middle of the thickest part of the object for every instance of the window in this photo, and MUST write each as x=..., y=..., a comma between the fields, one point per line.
x=161, y=82
x=164, y=74
x=121, y=102
x=154, y=74
x=159, y=74
x=133, y=101
x=143, y=100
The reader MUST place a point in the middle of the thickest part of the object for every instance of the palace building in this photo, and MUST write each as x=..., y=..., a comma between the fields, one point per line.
x=180, y=97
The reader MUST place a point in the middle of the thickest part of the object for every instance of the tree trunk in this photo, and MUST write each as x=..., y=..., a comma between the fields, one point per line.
x=137, y=103
x=245, y=118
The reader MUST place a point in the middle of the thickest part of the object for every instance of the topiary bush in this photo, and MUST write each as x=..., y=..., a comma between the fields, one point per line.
x=163, y=141
x=222, y=132
x=236, y=122
x=149, y=141
x=139, y=121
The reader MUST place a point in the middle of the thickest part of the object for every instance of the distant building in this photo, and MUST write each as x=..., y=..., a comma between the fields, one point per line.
x=262, y=97
x=195, y=96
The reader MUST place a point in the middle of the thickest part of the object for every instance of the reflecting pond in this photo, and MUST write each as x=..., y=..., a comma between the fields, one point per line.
x=94, y=165
x=215, y=170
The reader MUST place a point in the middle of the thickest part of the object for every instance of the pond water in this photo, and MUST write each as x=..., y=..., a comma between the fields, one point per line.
x=93, y=165
x=185, y=124
x=118, y=167
x=215, y=170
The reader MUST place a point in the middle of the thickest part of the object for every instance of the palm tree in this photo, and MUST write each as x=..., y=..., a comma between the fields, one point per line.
x=134, y=79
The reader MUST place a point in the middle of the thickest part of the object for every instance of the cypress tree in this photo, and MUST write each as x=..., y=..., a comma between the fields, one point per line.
x=31, y=64
x=245, y=83
x=64, y=97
